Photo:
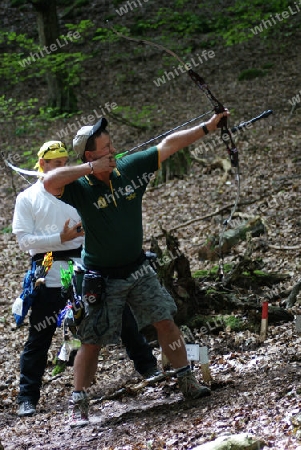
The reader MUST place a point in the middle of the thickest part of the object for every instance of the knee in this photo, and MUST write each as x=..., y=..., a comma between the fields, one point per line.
x=166, y=326
x=90, y=349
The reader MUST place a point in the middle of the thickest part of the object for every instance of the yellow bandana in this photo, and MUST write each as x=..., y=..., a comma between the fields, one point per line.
x=51, y=150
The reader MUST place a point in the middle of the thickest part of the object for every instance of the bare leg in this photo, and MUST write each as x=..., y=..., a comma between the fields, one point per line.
x=85, y=366
x=172, y=343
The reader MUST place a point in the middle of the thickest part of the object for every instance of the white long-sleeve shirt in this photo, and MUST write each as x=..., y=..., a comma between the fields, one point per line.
x=38, y=220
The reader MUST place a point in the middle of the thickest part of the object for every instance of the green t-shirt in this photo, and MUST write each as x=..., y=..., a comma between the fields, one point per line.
x=112, y=215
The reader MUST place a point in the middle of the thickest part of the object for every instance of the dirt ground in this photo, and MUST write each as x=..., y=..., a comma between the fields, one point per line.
x=256, y=386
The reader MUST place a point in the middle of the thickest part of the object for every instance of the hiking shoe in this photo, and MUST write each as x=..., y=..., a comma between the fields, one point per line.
x=189, y=386
x=78, y=410
x=154, y=374
x=27, y=409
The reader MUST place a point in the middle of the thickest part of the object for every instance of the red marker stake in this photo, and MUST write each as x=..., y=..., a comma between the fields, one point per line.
x=264, y=320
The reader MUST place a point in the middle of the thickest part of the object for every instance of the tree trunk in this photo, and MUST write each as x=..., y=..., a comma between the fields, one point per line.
x=59, y=94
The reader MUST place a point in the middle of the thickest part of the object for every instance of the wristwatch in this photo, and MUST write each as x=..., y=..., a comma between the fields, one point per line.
x=205, y=129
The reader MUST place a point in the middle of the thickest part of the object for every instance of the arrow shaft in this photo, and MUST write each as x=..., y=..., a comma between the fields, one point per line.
x=236, y=128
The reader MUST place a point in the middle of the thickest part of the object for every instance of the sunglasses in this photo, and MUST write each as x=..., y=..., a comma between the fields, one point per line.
x=56, y=146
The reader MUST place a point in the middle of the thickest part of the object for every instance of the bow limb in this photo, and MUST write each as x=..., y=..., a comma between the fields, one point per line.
x=21, y=171
x=218, y=107
x=24, y=171
x=202, y=85
x=154, y=44
x=226, y=135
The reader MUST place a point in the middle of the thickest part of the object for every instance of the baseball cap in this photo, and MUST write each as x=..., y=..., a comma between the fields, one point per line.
x=80, y=140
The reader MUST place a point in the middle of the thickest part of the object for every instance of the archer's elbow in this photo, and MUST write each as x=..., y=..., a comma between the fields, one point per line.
x=166, y=149
x=51, y=185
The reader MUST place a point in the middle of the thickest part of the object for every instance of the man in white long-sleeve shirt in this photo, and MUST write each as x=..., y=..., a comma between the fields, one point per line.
x=43, y=223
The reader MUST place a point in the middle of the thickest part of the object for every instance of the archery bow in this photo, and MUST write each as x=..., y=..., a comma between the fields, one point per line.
x=203, y=86
x=226, y=135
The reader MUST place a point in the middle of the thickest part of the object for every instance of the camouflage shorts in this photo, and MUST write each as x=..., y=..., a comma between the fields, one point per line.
x=148, y=300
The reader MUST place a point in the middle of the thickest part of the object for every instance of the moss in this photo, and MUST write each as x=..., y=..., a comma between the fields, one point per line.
x=200, y=273
x=255, y=273
x=212, y=272
x=214, y=324
x=207, y=324
x=268, y=65
x=211, y=291
x=233, y=322
x=260, y=273
x=250, y=74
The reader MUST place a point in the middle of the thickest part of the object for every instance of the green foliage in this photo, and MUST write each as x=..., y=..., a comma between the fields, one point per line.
x=28, y=60
x=6, y=230
x=25, y=118
x=182, y=22
x=176, y=26
x=48, y=113
x=85, y=28
x=250, y=74
x=212, y=272
x=212, y=323
x=233, y=322
x=10, y=68
x=107, y=35
x=236, y=23
x=20, y=113
x=60, y=367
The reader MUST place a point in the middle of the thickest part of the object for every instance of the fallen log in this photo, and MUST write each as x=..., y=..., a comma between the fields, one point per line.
x=248, y=273
x=213, y=248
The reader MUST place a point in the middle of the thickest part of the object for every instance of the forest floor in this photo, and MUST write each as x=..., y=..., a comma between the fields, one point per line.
x=256, y=385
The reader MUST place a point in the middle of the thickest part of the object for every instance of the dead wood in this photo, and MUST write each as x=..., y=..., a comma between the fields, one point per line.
x=173, y=269
x=276, y=315
x=291, y=300
x=248, y=273
x=219, y=211
x=283, y=247
x=213, y=248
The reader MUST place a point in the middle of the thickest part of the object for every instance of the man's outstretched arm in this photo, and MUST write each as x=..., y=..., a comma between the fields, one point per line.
x=180, y=139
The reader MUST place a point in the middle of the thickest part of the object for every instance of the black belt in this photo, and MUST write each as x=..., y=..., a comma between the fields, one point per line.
x=120, y=271
x=63, y=255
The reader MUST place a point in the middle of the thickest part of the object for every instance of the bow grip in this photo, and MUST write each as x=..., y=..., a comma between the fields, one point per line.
x=233, y=153
x=223, y=122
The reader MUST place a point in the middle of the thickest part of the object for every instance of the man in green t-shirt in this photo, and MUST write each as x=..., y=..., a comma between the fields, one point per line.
x=108, y=197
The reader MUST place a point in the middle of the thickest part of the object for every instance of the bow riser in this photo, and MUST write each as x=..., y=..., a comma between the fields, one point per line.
x=218, y=109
